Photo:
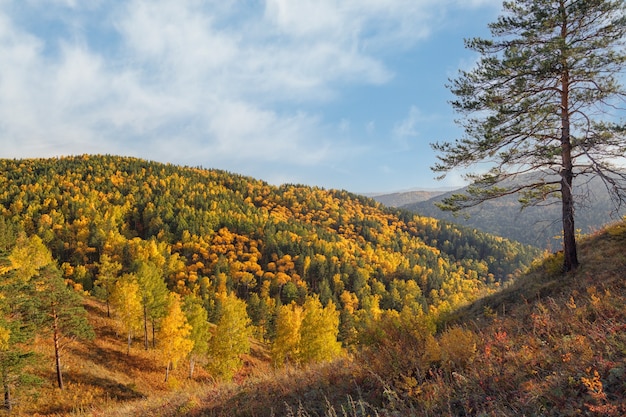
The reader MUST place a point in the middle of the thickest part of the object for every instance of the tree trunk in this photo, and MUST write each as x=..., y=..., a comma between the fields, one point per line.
x=570, y=261
x=129, y=342
x=167, y=370
x=145, y=327
x=57, y=349
x=192, y=365
x=7, y=398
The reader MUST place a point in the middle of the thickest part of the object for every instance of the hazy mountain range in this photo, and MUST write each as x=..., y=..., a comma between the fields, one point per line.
x=538, y=226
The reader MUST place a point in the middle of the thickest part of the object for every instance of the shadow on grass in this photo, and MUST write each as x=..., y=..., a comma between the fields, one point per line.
x=113, y=390
x=117, y=361
x=84, y=390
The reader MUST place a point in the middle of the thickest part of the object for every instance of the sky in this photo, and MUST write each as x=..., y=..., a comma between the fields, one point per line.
x=344, y=94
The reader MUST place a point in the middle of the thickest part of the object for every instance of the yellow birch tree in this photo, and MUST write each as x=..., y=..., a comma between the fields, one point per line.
x=318, y=332
x=127, y=307
x=287, y=342
x=174, y=335
x=231, y=338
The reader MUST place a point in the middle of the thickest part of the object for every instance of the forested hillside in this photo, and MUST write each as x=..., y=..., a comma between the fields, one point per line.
x=168, y=249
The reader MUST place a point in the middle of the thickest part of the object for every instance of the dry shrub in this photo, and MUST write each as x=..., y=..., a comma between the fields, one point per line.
x=458, y=348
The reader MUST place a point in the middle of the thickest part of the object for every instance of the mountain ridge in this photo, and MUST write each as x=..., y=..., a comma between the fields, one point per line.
x=538, y=226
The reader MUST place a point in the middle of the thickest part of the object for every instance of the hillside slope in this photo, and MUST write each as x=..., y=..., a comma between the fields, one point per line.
x=151, y=239
x=542, y=345
x=548, y=345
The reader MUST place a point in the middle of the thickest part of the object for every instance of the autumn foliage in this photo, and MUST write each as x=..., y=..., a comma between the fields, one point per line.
x=196, y=266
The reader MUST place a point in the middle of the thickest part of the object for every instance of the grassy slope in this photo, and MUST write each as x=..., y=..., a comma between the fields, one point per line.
x=547, y=345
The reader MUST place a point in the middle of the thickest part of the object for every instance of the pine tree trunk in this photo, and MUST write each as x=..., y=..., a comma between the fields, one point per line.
x=57, y=348
x=570, y=261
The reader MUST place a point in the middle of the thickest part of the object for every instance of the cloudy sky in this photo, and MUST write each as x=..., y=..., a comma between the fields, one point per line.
x=341, y=94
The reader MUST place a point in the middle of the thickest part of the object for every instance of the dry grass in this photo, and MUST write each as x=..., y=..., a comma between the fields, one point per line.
x=549, y=345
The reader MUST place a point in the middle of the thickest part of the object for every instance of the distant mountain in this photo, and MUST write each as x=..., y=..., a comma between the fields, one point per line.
x=537, y=226
x=400, y=199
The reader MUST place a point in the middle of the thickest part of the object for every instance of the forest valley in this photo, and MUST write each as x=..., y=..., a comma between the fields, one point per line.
x=289, y=300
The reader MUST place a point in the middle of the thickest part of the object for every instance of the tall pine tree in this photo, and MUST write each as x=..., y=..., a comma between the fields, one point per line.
x=543, y=100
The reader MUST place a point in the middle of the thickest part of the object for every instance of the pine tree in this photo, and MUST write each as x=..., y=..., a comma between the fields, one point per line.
x=543, y=101
x=60, y=312
x=17, y=308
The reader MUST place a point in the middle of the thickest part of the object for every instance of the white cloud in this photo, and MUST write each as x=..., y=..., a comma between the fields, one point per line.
x=409, y=126
x=231, y=82
x=245, y=132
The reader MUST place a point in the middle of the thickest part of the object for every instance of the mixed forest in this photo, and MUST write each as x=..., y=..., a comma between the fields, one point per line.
x=194, y=264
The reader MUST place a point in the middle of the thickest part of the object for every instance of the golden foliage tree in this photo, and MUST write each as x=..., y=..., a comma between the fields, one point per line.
x=126, y=302
x=287, y=342
x=198, y=319
x=174, y=335
x=231, y=338
x=318, y=333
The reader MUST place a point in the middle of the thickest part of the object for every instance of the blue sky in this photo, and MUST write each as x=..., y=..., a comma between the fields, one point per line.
x=343, y=94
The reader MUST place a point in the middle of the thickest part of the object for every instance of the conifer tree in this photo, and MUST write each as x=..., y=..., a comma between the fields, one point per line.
x=17, y=327
x=40, y=298
x=60, y=312
x=543, y=100
x=15, y=335
x=174, y=335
